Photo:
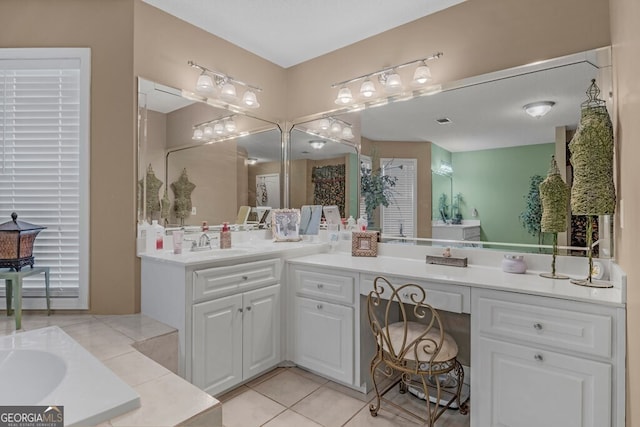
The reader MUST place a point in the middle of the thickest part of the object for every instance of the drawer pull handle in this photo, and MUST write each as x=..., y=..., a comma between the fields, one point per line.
x=537, y=326
x=319, y=306
x=320, y=285
x=538, y=357
x=245, y=277
x=240, y=310
x=248, y=308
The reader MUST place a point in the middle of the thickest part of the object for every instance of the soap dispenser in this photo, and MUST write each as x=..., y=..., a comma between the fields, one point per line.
x=225, y=236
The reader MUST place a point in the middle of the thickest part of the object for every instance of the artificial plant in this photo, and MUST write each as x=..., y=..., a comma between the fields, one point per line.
x=375, y=187
x=532, y=214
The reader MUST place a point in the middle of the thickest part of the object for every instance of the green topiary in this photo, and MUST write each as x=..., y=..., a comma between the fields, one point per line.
x=532, y=214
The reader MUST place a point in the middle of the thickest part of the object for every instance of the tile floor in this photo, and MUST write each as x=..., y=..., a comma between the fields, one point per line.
x=292, y=397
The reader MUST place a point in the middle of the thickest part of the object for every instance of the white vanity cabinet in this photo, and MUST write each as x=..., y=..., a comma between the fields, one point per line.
x=236, y=333
x=543, y=361
x=323, y=322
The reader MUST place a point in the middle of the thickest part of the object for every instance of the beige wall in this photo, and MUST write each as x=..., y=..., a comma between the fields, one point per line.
x=476, y=37
x=107, y=28
x=409, y=150
x=625, y=38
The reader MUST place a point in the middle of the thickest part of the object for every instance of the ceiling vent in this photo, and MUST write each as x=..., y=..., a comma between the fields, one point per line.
x=444, y=121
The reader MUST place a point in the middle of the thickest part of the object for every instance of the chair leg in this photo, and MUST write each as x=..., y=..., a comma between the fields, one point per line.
x=432, y=409
x=375, y=407
x=459, y=372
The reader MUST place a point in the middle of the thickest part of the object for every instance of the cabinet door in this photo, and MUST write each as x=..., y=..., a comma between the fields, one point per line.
x=520, y=386
x=324, y=338
x=261, y=330
x=217, y=344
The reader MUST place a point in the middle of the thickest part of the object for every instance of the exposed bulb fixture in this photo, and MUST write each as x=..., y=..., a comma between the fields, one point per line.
x=209, y=79
x=252, y=161
x=422, y=74
x=368, y=89
x=389, y=79
x=344, y=96
x=538, y=109
x=205, y=83
x=317, y=144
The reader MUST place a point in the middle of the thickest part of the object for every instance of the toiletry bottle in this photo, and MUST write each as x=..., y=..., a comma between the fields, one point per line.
x=351, y=224
x=152, y=237
x=158, y=233
x=141, y=241
x=225, y=236
x=362, y=224
x=205, y=226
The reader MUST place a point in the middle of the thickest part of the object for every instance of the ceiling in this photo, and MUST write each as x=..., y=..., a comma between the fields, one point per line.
x=288, y=32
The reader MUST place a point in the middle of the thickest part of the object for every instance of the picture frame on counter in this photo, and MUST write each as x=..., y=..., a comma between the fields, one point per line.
x=285, y=225
x=364, y=243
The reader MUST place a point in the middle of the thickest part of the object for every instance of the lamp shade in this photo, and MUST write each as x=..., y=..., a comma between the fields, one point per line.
x=317, y=144
x=228, y=90
x=422, y=75
x=344, y=96
x=367, y=89
x=204, y=83
x=393, y=82
x=250, y=100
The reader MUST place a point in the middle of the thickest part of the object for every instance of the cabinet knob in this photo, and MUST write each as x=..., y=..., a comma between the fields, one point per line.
x=240, y=310
x=538, y=357
x=245, y=277
x=320, y=285
x=248, y=308
x=319, y=306
x=537, y=326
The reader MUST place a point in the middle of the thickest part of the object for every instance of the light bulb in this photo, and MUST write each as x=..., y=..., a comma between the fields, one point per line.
x=421, y=75
x=228, y=90
x=230, y=125
x=344, y=96
x=394, y=81
x=367, y=89
x=208, y=132
x=197, y=134
x=250, y=100
x=204, y=84
x=347, y=132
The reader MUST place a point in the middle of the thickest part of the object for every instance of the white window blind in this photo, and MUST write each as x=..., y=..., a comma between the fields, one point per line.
x=44, y=168
x=399, y=218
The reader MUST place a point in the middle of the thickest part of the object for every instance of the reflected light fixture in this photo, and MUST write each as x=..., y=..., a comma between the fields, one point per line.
x=347, y=132
x=331, y=128
x=252, y=161
x=214, y=129
x=422, y=74
x=324, y=124
x=388, y=78
x=538, y=109
x=317, y=144
x=209, y=79
x=336, y=127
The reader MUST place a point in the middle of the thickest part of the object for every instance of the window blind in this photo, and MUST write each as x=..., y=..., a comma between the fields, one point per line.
x=44, y=171
x=399, y=218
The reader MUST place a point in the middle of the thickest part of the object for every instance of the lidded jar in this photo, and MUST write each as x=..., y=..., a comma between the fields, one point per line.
x=514, y=264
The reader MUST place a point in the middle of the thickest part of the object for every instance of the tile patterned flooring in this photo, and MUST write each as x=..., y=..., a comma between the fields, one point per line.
x=292, y=397
x=284, y=397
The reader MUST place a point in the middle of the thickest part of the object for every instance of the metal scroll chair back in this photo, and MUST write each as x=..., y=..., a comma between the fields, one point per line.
x=412, y=349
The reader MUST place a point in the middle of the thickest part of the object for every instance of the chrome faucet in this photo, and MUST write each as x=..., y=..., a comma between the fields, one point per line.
x=204, y=242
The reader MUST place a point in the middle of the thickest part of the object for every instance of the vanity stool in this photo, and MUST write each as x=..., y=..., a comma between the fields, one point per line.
x=13, y=281
x=413, y=351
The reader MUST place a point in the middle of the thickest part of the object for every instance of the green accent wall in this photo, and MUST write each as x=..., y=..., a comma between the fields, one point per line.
x=439, y=183
x=496, y=182
x=353, y=181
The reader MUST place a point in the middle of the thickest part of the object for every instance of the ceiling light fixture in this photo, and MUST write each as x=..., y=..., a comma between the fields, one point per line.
x=538, y=109
x=317, y=144
x=209, y=79
x=252, y=161
x=388, y=77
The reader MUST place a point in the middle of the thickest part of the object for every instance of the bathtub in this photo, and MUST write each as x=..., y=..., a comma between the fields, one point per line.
x=47, y=367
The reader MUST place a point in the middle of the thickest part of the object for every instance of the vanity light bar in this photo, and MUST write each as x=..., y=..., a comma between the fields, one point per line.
x=222, y=78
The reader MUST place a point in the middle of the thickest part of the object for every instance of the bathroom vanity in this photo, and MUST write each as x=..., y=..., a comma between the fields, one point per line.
x=538, y=346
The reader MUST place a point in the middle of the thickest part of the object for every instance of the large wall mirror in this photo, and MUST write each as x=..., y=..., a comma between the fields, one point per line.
x=323, y=165
x=467, y=153
x=198, y=162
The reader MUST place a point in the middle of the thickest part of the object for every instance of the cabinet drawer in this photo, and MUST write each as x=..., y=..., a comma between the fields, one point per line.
x=558, y=328
x=471, y=233
x=220, y=281
x=327, y=287
x=453, y=298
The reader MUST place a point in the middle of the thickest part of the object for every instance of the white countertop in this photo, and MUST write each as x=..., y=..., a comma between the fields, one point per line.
x=473, y=275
